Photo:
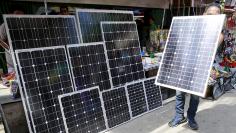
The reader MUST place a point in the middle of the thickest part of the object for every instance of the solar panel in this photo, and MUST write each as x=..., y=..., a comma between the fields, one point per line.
x=89, y=22
x=82, y=111
x=45, y=75
x=123, y=51
x=137, y=99
x=116, y=106
x=34, y=31
x=189, y=53
x=153, y=94
x=89, y=66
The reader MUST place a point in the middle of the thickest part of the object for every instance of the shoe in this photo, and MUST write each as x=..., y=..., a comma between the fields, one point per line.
x=192, y=124
x=176, y=121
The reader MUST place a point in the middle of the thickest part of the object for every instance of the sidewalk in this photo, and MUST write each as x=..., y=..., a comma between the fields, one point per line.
x=213, y=117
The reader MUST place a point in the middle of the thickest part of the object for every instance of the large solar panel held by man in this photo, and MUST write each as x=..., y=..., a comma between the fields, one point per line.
x=82, y=111
x=137, y=98
x=89, y=22
x=153, y=94
x=89, y=66
x=45, y=75
x=189, y=53
x=123, y=51
x=34, y=31
x=116, y=106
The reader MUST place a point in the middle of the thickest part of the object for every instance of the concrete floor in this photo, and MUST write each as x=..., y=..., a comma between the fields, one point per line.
x=213, y=117
x=4, y=96
x=1, y=129
x=4, y=90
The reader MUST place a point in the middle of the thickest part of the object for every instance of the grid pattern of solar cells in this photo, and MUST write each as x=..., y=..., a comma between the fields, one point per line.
x=153, y=94
x=116, y=106
x=34, y=31
x=123, y=51
x=82, y=111
x=89, y=66
x=189, y=53
x=89, y=22
x=45, y=75
x=137, y=98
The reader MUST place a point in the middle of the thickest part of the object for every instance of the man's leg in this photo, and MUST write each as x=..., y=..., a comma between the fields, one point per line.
x=179, y=110
x=192, y=110
x=180, y=102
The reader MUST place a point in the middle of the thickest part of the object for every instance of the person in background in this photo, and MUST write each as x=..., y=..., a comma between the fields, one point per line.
x=212, y=9
x=64, y=10
x=4, y=42
x=152, y=37
x=3, y=34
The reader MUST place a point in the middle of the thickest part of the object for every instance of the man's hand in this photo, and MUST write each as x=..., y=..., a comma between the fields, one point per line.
x=221, y=39
x=4, y=45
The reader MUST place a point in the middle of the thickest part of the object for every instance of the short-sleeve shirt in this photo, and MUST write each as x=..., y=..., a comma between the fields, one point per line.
x=3, y=33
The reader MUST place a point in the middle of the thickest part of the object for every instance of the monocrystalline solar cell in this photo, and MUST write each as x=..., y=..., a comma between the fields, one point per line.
x=89, y=22
x=137, y=99
x=82, y=111
x=116, y=106
x=34, y=31
x=45, y=75
x=189, y=53
x=153, y=94
x=123, y=51
x=89, y=66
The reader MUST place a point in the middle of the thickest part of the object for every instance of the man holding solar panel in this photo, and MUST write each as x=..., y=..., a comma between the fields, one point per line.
x=212, y=9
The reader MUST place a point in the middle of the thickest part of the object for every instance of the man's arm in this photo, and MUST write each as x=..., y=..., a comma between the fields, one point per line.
x=3, y=37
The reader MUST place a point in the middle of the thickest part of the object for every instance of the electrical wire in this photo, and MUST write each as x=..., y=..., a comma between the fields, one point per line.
x=189, y=9
x=171, y=8
x=163, y=19
x=178, y=8
x=193, y=8
x=194, y=11
x=201, y=7
x=46, y=7
x=184, y=8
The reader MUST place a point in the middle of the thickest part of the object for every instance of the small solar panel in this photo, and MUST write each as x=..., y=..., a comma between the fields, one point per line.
x=89, y=66
x=34, y=31
x=116, y=106
x=123, y=51
x=45, y=75
x=82, y=111
x=153, y=94
x=89, y=22
x=137, y=99
x=189, y=53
